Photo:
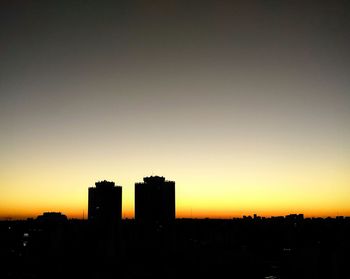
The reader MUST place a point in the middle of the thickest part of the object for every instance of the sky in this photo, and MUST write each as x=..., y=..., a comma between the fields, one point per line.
x=244, y=104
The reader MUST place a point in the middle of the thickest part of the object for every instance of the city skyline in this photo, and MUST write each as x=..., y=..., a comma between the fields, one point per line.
x=245, y=105
x=154, y=203
x=107, y=195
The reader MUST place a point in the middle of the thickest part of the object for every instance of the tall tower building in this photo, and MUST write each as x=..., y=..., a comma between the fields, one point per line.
x=155, y=200
x=105, y=203
x=105, y=215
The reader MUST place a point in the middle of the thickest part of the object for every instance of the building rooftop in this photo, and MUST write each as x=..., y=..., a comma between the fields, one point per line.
x=52, y=217
x=105, y=184
x=154, y=180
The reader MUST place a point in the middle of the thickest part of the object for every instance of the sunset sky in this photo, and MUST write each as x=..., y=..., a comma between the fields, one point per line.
x=245, y=106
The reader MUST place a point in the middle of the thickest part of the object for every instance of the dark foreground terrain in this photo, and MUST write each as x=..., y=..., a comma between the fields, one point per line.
x=271, y=248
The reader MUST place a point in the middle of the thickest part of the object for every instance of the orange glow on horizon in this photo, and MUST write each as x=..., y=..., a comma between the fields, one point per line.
x=183, y=213
x=216, y=185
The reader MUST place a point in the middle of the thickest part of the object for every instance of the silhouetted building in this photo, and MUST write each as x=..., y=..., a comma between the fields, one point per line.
x=52, y=217
x=295, y=217
x=53, y=232
x=105, y=215
x=105, y=202
x=155, y=200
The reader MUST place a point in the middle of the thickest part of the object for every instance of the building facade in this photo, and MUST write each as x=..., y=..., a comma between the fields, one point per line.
x=105, y=203
x=155, y=200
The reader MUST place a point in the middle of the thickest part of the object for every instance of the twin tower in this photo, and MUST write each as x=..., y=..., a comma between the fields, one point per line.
x=154, y=201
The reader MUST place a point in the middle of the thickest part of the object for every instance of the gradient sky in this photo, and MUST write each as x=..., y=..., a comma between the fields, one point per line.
x=245, y=105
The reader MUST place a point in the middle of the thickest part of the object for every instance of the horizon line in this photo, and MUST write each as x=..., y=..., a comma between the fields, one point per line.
x=9, y=218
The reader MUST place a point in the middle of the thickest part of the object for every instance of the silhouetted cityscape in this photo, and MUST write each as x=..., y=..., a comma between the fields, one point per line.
x=228, y=121
x=157, y=245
